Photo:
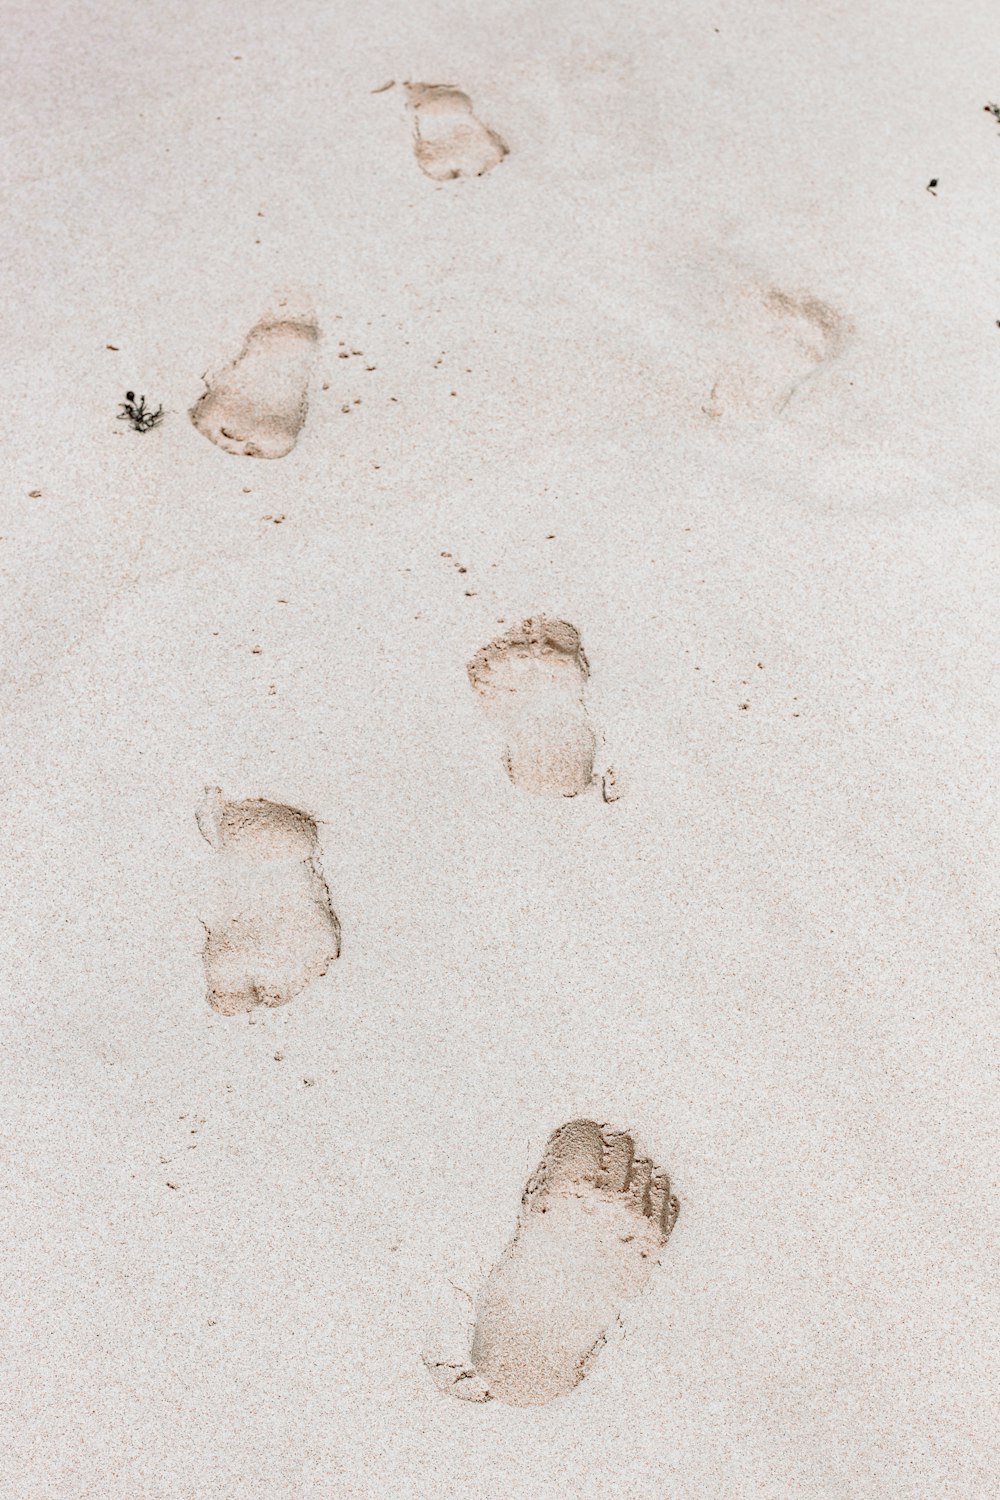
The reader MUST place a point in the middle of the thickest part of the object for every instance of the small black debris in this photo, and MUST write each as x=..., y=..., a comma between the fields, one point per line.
x=141, y=417
x=931, y=186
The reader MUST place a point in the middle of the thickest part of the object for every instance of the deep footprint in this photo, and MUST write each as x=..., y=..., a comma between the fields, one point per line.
x=257, y=405
x=275, y=931
x=448, y=140
x=594, y=1219
x=531, y=681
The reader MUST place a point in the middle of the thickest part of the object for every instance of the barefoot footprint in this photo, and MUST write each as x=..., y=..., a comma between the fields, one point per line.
x=448, y=140
x=531, y=680
x=784, y=340
x=594, y=1219
x=257, y=405
x=276, y=931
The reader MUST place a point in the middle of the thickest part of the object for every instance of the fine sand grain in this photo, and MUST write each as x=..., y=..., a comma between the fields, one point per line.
x=596, y=693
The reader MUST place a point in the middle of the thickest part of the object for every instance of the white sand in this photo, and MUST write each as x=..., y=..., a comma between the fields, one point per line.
x=700, y=368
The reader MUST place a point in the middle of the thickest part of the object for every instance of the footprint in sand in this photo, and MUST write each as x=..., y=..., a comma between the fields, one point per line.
x=531, y=681
x=594, y=1219
x=275, y=931
x=257, y=405
x=448, y=140
x=784, y=340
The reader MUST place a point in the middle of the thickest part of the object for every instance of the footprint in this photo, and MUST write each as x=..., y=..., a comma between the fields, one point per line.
x=448, y=140
x=276, y=932
x=257, y=405
x=784, y=340
x=531, y=680
x=594, y=1219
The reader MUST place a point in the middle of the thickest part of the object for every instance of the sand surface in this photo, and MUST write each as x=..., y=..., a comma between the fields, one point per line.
x=697, y=367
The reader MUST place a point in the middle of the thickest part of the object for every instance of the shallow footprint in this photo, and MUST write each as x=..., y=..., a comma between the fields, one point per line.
x=448, y=139
x=257, y=405
x=782, y=341
x=594, y=1219
x=275, y=931
x=531, y=680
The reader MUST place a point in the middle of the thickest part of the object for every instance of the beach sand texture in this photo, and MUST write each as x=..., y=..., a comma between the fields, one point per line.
x=504, y=771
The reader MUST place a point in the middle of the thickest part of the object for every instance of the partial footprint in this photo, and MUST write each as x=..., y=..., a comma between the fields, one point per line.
x=594, y=1219
x=531, y=680
x=274, y=931
x=780, y=342
x=257, y=405
x=448, y=140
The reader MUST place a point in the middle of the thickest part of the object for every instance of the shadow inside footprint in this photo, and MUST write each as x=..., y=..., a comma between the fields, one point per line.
x=594, y=1219
x=275, y=931
x=257, y=405
x=531, y=680
x=448, y=140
